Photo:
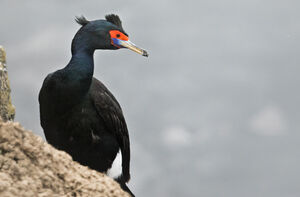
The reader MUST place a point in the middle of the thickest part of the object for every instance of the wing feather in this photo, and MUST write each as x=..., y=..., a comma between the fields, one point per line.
x=110, y=111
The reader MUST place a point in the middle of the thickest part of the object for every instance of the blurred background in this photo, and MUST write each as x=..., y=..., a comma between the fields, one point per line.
x=213, y=111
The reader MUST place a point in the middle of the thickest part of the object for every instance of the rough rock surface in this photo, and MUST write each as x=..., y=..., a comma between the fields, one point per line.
x=31, y=167
x=7, y=110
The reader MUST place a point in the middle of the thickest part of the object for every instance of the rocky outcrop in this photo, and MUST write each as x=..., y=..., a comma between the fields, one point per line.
x=7, y=110
x=31, y=167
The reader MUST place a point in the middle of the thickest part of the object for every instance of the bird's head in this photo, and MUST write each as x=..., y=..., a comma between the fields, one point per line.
x=103, y=34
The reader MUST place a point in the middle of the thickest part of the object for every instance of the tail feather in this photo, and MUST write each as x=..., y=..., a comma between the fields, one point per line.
x=123, y=185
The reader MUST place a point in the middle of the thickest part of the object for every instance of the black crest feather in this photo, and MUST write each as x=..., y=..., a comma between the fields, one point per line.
x=114, y=19
x=81, y=20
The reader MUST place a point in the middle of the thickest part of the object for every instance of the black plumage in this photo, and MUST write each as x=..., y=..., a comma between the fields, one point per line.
x=78, y=113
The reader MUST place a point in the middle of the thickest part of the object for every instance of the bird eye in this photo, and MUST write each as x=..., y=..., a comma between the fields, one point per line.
x=118, y=35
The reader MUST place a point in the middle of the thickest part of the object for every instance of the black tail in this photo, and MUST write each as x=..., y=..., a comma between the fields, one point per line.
x=123, y=185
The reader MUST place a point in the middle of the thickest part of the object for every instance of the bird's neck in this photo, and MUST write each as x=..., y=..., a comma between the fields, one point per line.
x=77, y=76
x=81, y=65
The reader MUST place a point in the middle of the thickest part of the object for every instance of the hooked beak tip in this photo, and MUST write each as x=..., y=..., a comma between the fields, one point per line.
x=145, y=53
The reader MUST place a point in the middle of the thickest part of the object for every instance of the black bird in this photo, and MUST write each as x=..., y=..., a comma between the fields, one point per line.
x=78, y=113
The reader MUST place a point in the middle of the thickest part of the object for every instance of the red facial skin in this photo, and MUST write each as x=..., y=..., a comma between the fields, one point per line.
x=118, y=35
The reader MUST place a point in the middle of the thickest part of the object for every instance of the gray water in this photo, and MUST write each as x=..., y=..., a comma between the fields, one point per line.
x=214, y=109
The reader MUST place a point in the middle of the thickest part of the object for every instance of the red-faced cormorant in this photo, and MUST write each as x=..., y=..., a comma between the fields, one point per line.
x=78, y=113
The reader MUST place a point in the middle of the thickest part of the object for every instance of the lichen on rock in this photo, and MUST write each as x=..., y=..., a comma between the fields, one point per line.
x=7, y=110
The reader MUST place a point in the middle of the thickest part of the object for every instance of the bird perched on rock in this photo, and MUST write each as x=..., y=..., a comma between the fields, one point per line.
x=78, y=113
